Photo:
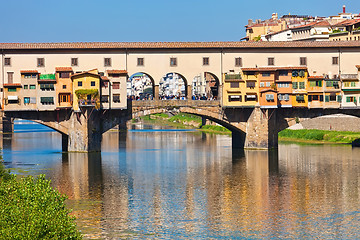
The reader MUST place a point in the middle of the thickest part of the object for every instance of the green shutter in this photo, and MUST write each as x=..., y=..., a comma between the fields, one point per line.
x=339, y=98
x=347, y=99
x=327, y=98
x=295, y=85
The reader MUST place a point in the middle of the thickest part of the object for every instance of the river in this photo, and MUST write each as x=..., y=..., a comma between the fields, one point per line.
x=165, y=184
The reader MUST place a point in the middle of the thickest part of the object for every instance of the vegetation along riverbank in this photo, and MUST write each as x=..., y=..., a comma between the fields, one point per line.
x=184, y=121
x=31, y=209
x=319, y=136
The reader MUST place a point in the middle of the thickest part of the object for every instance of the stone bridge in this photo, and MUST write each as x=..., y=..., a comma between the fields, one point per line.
x=254, y=128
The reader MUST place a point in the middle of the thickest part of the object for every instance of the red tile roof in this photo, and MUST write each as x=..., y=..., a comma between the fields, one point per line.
x=63, y=69
x=272, y=69
x=357, y=66
x=347, y=22
x=29, y=71
x=179, y=45
x=316, y=77
x=86, y=72
x=117, y=72
x=104, y=78
x=12, y=84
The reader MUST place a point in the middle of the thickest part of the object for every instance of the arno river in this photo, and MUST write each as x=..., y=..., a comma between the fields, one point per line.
x=160, y=184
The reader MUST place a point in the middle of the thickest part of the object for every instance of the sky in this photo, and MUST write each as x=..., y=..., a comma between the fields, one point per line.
x=147, y=20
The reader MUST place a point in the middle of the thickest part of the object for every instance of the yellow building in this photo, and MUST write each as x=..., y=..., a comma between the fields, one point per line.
x=86, y=89
x=299, y=78
x=240, y=89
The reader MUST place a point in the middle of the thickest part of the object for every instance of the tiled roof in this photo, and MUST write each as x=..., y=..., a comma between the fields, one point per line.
x=117, y=72
x=104, y=78
x=63, y=69
x=347, y=22
x=179, y=45
x=316, y=77
x=315, y=24
x=268, y=90
x=86, y=72
x=357, y=66
x=29, y=71
x=12, y=84
x=272, y=69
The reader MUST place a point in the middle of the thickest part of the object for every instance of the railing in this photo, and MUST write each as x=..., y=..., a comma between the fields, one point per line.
x=89, y=103
x=233, y=76
x=174, y=103
x=349, y=76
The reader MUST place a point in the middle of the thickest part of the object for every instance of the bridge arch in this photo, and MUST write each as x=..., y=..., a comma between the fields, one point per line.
x=173, y=84
x=141, y=85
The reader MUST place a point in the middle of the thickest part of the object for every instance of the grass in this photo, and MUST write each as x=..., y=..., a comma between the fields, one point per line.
x=319, y=135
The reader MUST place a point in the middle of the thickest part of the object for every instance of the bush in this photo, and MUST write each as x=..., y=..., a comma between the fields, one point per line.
x=31, y=209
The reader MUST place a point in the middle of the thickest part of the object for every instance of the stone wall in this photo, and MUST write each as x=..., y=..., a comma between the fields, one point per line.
x=337, y=122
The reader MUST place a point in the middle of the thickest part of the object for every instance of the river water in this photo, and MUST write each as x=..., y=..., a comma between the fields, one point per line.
x=166, y=184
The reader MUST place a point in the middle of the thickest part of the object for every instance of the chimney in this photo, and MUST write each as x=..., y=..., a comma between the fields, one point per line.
x=344, y=9
x=250, y=22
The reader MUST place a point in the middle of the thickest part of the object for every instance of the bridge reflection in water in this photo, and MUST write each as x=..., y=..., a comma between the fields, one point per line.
x=188, y=185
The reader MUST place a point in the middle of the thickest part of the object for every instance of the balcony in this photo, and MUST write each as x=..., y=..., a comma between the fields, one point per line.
x=235, y=77
x=87, y=103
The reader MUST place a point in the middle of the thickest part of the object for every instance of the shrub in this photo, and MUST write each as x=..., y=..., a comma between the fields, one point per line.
x=31, y=209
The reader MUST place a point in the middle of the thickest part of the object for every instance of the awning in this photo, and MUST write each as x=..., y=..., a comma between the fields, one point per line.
x=12, y=97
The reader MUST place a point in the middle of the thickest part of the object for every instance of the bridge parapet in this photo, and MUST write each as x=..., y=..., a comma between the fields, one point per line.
x=174, y=103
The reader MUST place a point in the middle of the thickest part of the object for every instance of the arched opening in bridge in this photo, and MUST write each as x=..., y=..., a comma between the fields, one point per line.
x=173, y=86
x=205, y=87
x=140, y=86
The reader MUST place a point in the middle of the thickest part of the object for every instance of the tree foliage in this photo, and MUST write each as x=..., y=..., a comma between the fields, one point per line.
x=31, y=209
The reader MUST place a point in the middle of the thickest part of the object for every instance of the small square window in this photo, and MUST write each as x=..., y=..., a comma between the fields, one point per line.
x=10, y=77
x=107, y=62
x=79, y=83
x=173, y=62
x=271, y=61
x=41, y=62
x=64, y=86
x=32, y=87
x=303, y=61
x=205, y=61
x=93, y=83
x=140, y=61
x=116, y=85
x=335, y=60
x=238, y=62
x=26, y=86
x=7, y=61
x=74, y=61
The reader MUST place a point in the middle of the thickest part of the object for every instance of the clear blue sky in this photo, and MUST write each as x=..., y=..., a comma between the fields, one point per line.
x=146, y=20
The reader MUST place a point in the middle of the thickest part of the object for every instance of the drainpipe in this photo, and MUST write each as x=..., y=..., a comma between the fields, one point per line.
x=221, y=77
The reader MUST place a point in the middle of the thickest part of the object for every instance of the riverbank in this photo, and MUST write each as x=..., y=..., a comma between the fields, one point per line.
x=319, y=136
x=184, y=121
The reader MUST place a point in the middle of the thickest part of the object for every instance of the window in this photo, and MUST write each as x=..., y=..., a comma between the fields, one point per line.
x=205, y=61
x=268, y=84
x=32, y=87
x=74, y=62
x=238, y=62
x=116, y=98
x=173, y=62
x=140, y=61
x=251, y=97
x=64, y=86
x=262, y=84
x=350, y=99
x=26, y=100
x=234, y=85
x=104, y=84
x=283, y=85
x=335, y=60
x=64, y=74
x=26, y=86
x=303, y=61
x=301, y=85
x=47, y=86
x=265, y=74
x=269, y=97
x=7, y=61
x=271, y=61
x=283, y=73
x=107, y=62
x=47, y=100
x=11, y=89
x=250, y=85
x=41, y=62
x=234, y=98
x=64, y=98
x=295, y=85
x=332, y=97
x=27, y=75
x=79, y=83
x=105, y=98
x=93, y=83
x=300, y=98
x=10, y=77
x=116, y=85
x=315, y=83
